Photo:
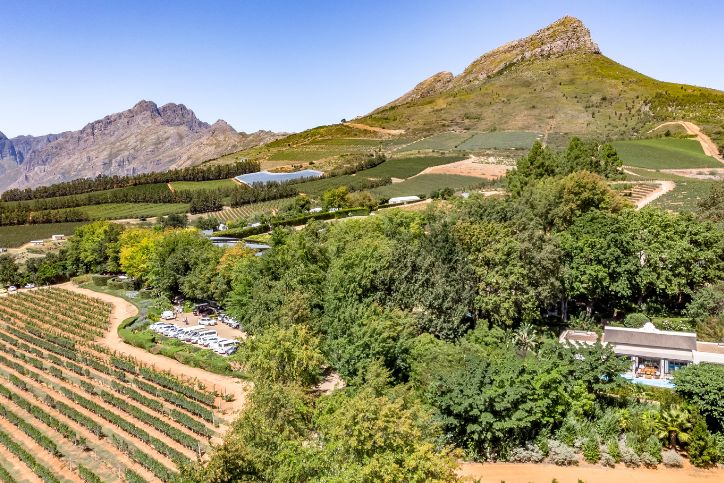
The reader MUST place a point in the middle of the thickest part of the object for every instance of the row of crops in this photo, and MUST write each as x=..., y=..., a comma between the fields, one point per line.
x=72, y=410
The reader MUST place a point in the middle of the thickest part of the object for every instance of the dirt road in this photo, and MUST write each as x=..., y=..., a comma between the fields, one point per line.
x=121, y=311
x=710, y=148
x=381, y=130
x=545, y=473
x=664, y=187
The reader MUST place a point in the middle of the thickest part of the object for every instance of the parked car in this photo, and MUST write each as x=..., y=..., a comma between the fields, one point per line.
x=12, y=289
x=223, y=346
x=168, y=315
x=207, y=321
x=29, y=285
x=206, y=340
x=233, y=324
x=231, y=350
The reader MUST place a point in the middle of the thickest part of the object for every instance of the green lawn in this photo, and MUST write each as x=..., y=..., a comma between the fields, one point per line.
x=426, y=184
x=664, y=153
x=499, y=140
x=116, y=211
x=202, y=185
x=15, y=236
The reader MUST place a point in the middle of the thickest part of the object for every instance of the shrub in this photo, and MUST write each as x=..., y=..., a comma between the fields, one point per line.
x=652, y=447
x=672, y=459
x=100, y=280
x=648, y=460
x=530, y=454
x=561, y=454
x=614, y=451
x=591, y=451
x=607, y=460
x=702, y=450
x=628, y=455
x=635, y=320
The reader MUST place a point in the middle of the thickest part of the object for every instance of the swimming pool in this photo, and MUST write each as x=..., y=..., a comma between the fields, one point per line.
x=649, y=382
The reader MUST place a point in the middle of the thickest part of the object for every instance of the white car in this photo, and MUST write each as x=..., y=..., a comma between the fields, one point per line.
x=207, y=321
x=233, y=324
x=223, y=346
x=29, y=285
x=12, y=289
x=168, y=315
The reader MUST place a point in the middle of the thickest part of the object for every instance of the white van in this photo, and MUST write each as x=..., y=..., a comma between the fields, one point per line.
x=197, y=336
x=223, y=345
x=186, y=333
x=168, y=315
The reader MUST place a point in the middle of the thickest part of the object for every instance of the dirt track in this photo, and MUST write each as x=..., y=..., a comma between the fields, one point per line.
x=664, y=187
x=123, y=310
x=545, y=473
x=381, y=130
x=709, y=147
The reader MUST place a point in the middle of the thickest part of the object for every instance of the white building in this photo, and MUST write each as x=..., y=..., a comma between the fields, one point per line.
x=398, y=200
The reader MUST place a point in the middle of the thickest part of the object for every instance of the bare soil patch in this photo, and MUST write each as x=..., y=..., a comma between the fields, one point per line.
x=664, y=187
x=470, y=167
x=545, y=473
x=712, y=174
x=381, y=130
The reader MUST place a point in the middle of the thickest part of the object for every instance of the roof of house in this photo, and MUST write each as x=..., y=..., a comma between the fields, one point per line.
x=579, y=337
x=650, y=336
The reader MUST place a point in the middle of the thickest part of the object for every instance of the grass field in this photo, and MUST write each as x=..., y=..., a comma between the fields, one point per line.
x=664, y=153
x=685, y=195
x=117, y=211
x=249, y=211
x=202, y=185
x=15, y=236
x=499, y=140
x=409, y=166
x=426, y=184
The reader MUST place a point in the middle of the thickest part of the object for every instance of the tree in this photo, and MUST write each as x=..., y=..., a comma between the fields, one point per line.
x=673, y=426
x=335, y=197
x=174, y=221
x=136, y=249
x=93, y=248
x=702, y=386
x=701, y=448
x=283, y=356
x=711, y=207
x=525, y=338
x=207, y=223
x=9, y=272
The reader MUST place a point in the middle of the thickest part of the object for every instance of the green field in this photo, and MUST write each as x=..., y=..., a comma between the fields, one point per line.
x=409, y=166
x=685, y=196
x=249, y=211
x=203, y=185
x=444, y=141
x=117, y=211
x=15, y=236
x=499, y=140
x=426, y=184
x=664, y=153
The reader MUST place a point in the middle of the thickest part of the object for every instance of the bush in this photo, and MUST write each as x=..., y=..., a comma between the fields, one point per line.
x=561, y=454
x=100, y=280
x=530, y=454
x=672, y=459
x=652, y=447
x=628, y=455
x=702, y=449
x=607, y=460
x=635, y=320
x=591, y=451
x=648, y=460
x=614, y=451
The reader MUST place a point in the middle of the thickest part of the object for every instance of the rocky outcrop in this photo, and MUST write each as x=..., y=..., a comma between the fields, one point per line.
x=564, y=36
x=141, y=139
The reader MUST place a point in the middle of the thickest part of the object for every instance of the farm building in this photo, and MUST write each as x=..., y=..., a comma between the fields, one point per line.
x=655, y=354
x=57, y=237
x=37, y=243
x=263, y=177
x=398, y=200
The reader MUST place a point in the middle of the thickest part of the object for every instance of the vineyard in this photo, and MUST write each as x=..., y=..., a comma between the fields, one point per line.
x=72, y=410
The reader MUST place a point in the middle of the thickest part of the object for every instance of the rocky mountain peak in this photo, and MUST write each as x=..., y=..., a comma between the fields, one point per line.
x=564, y=36
x=432, y=85
x=180, y=115
x=221, y=126
x=2, y=136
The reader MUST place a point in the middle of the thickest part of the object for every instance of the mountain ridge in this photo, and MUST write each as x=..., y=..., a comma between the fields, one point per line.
x=144, y=138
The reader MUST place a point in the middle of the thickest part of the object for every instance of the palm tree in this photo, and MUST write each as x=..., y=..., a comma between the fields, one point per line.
x=525, y=338
x=673, y=426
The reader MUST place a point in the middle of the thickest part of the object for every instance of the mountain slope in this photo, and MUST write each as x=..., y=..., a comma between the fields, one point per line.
x=142, y=139
x=555, y=80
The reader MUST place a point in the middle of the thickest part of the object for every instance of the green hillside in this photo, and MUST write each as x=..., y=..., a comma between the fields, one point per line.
x=666, y=153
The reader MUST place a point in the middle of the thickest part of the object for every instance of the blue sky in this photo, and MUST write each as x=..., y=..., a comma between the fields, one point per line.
x=288, y=66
